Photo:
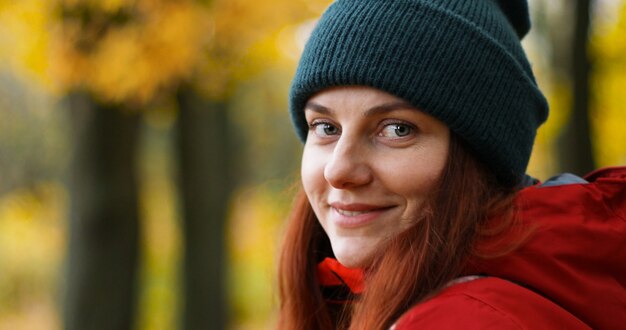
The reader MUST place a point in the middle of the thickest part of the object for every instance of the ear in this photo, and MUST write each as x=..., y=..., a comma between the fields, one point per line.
x=516, y=12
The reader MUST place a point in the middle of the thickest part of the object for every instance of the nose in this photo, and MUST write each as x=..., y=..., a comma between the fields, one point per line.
x=348, y=166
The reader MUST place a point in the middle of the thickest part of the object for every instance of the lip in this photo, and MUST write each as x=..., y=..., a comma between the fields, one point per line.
x=356, y=215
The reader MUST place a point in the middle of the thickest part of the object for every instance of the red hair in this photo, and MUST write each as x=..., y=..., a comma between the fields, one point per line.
x=414, y=264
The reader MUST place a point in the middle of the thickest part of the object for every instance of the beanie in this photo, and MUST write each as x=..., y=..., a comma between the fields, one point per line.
x=460, y=61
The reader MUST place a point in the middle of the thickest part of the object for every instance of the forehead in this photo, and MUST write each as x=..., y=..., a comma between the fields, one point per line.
x=354, y=96
x=358, y=100
x=363, y=100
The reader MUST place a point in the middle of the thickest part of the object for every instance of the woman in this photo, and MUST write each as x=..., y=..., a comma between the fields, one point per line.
x=418, y=118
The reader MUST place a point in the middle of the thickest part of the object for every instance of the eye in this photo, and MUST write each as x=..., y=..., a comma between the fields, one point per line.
x=324, y=128
x=396, y=130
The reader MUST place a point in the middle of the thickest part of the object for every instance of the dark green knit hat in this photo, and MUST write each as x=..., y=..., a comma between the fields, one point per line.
x=459, y=60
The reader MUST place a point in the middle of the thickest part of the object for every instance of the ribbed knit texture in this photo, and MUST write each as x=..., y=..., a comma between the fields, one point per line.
x=459, y=60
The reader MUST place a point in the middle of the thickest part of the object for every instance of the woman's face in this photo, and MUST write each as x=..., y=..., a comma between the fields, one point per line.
x=369, y=162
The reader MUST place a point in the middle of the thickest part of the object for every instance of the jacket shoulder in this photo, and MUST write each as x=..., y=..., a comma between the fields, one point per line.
x=613, y=174
x=487, y=303
x=599, y=194
x=575, y=250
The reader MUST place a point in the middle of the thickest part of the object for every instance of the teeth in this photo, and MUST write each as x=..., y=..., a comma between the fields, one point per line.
x=350, y=213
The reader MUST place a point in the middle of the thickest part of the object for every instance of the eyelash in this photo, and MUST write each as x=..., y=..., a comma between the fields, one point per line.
x=388, y=123
x=313, y=126
x=317, y=123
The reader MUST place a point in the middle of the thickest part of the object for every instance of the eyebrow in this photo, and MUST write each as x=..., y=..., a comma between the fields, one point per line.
x=382, y=108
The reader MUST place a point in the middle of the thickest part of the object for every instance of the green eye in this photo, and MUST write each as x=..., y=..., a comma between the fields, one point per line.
x=325, y=129
x=396, y=130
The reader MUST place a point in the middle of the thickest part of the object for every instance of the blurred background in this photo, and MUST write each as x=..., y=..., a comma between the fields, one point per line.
x=147, y=160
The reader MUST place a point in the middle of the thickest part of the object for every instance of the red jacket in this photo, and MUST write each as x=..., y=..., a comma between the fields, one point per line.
x=570, y=274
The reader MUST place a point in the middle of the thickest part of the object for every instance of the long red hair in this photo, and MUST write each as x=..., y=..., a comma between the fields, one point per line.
x=414, y=265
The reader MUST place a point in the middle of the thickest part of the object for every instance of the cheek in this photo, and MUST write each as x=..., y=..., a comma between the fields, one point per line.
x=311, y=171
x=415, y=178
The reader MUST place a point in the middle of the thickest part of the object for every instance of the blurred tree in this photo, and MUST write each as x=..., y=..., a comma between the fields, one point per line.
x=100, y=289
x=575, y=148
x=208, y=156
x=563, y=28
x=112, y=57
x=103, y=236
x=205, y=181
x=609, y=82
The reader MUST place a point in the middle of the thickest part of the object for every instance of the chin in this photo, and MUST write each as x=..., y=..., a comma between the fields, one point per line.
x=351, y=259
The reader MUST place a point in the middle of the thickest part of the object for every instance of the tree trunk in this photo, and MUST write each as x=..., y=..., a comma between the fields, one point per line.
x=576, y=151
x=103, y=229
x=204, y=178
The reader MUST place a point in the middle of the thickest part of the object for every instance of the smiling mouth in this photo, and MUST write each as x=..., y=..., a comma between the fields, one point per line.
x=356, y=215
x=357, y=210
x=351, y=213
